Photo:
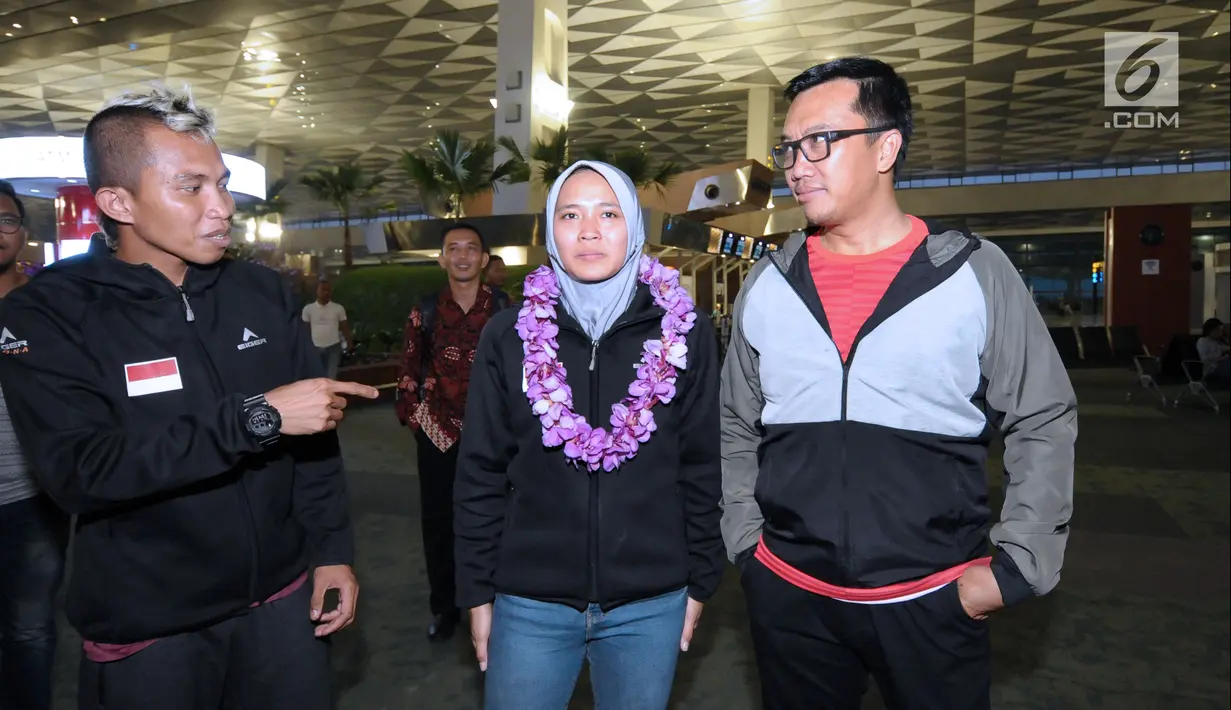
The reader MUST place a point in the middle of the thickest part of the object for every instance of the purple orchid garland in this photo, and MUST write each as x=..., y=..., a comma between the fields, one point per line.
x=547, y=387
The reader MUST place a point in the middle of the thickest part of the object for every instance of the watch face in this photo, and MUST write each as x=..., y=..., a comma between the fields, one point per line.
x=261, y=422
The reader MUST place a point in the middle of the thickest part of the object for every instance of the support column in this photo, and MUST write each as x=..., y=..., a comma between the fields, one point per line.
x=273, y=159
x=531, y=88
x=761, y=124
x=1147, y=276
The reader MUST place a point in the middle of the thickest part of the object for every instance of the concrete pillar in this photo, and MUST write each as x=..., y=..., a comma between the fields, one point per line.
x=273, y=159
x=762, y=128
x=1147, y=276
x=531, y=88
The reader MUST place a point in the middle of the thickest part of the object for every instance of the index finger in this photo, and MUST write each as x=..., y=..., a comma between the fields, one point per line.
x=338, y=387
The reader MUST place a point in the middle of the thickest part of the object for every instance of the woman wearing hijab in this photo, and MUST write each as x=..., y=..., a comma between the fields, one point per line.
x=587, y=492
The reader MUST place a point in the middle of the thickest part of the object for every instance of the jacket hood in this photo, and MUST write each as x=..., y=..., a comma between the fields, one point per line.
x=99, y=268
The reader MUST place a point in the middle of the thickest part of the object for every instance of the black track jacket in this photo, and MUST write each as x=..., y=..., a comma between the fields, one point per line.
x=528, y=523
x=126, y=395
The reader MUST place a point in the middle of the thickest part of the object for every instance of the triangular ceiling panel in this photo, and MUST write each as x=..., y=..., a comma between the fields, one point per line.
x=996, y=84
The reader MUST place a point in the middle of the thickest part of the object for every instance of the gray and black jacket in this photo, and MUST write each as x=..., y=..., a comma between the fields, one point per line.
x=871, y=472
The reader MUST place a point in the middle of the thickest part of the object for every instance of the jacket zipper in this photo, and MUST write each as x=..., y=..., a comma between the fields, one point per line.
x=846, y=509
x=188, y=314
x=254, y=557
x=595, y=510
x=241, y=491
x=844, y=475
x=595, y=519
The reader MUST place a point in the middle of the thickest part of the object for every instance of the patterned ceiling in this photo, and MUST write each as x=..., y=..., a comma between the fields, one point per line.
x=998, y=84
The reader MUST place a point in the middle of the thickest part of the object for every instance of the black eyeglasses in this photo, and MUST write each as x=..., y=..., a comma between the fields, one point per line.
x=815, y=146
x=9, y=223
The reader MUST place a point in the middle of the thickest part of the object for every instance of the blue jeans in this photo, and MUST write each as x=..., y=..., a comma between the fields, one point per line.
x=536, y=649
x=331, y=358
x=34, y=534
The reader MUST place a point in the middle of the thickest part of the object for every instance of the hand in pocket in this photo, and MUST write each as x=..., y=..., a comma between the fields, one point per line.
x=978, y=592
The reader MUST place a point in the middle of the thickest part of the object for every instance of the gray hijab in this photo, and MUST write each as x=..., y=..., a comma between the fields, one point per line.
x=596, y=306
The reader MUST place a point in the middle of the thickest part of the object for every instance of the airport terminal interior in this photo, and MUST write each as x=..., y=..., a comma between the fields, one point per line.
x=357, y=130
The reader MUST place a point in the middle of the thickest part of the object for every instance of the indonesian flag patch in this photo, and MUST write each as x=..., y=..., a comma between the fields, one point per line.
x=153, y=377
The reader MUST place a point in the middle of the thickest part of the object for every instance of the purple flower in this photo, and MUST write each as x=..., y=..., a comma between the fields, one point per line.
x=551, y=398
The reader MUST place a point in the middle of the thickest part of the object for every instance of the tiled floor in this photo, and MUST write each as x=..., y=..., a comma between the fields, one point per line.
x=1141, y=620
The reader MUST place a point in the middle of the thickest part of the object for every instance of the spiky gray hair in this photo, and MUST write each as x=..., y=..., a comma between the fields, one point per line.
x=176, y=109
x=114, y=141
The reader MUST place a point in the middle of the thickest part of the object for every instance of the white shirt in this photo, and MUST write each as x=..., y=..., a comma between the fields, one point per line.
x=326, y=322
x=1210, y=351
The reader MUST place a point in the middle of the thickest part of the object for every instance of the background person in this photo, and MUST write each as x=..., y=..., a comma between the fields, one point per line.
x=1214, y=353
x=329, y=326
x=599, y=548
x=441, y=335
x=171, y=400
x=494, y=275
x=33, y=531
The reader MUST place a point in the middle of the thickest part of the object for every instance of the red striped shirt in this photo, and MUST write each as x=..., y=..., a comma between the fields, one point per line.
x=850, y=285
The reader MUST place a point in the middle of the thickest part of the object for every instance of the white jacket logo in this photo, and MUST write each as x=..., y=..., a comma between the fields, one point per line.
x=251, y=340
x=10, y=345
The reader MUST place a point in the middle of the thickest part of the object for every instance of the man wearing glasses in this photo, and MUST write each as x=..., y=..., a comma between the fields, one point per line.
x=869, y=362
x=34, y=530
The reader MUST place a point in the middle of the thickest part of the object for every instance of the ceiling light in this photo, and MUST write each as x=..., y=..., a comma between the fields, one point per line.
x=102, y=19
x=16, y=26
x=304, y=61
x=493, y=101
x=8, y=34
x=34, y=189
x=72, y=181
x=74, y=20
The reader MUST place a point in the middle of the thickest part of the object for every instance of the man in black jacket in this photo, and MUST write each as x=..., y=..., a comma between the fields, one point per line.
x=212, y=518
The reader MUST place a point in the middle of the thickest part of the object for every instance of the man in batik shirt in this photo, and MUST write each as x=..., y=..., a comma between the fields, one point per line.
x=441, y=336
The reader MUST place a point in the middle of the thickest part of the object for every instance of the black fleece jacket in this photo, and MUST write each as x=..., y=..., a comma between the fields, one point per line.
x=529, y=523
x=184, y=519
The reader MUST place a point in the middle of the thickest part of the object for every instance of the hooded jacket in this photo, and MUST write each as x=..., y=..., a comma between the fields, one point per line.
x=127, y=393
x=871, y=472
x=529, y=523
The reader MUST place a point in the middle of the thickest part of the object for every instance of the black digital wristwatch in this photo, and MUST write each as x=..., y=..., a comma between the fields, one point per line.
x=261, y=420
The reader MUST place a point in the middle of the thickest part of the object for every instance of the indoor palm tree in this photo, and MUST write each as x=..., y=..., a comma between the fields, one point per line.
x=553, y=157
x=638, y=166
x=342, y=186
x=550, y=157
x=453, y=170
